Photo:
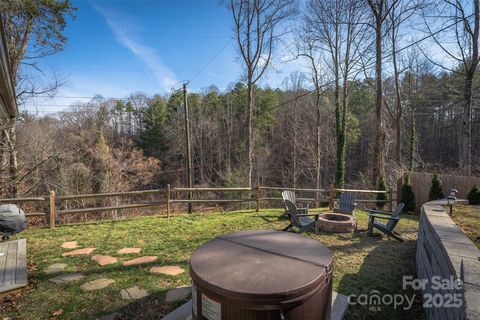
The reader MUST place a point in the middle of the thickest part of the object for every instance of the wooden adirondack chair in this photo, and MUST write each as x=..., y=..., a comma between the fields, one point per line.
x=347, y=203
x=387, y=228
x=300, y=220
x=290, y=195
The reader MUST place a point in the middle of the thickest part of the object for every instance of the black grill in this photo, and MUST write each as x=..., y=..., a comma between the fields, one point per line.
x=12, y=220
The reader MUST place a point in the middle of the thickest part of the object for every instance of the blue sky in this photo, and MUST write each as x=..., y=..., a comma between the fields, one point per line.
x=116, y=47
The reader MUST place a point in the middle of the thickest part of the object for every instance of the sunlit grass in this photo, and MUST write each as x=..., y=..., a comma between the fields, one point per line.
x=468, y=218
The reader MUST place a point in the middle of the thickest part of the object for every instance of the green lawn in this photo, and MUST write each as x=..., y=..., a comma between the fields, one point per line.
x=467, y=217
x=361, y=264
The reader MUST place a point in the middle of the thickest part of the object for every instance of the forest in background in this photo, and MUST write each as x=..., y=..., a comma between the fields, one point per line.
x=357, y=125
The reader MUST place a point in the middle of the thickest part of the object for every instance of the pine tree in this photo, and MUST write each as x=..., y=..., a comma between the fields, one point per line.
x=152, y=138
x=436, y=188
x=407, y=196
x=474, y=195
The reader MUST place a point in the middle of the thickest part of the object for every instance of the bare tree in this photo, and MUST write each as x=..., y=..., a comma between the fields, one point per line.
x=462, y=26
x=336, y=27
x=257, y=31
x=33, y=30
x=380, y=10
x=399, y=13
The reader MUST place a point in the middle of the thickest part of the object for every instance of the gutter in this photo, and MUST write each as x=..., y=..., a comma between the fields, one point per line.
x=7, y=87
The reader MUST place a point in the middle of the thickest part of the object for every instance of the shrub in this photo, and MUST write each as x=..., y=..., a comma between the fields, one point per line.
x=436, y=189
x=407, y=196
x=474, y=195
x=381, y=196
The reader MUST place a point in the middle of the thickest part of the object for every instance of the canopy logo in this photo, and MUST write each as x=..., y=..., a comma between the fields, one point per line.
x=375, y=301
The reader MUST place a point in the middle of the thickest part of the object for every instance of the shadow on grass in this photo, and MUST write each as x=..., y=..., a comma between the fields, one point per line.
x=381, y=275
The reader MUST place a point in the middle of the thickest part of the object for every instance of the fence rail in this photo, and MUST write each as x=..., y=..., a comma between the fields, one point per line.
x=255, y=195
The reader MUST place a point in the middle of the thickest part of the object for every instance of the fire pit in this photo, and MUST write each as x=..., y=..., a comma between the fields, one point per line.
x=336, y=222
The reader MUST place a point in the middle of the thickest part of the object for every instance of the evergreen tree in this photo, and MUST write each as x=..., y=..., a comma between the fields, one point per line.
x=436, y=188
x=152, y=139
x=474, y=195
x=407, y=196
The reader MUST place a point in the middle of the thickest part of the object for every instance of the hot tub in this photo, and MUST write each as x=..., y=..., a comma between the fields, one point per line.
x=261, y=275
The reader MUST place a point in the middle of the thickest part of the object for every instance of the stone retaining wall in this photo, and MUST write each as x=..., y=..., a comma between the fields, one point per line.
x=444, y=251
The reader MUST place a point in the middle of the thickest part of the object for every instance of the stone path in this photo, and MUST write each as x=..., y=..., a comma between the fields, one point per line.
x=70, y=245
x=55, y=268
x=133, y=293
x=97, y=284
x=67, y=277
x=104, y=260
x=178, y=294
x=78, y=252
x=140, y=260
x=168, y=270
x=127, y=250
x=112, y=316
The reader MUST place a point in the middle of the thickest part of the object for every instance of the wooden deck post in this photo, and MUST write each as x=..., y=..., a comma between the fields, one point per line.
x=168, y=200
x=331, y=196
x=390, y=199
x=257, y=198
x=52, y=209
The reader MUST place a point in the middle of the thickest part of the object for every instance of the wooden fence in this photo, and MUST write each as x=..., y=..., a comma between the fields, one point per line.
x=259, y=195
x=421, y=183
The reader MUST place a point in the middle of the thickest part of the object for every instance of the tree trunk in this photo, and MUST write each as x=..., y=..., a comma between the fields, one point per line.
x=295, y=129
x=250, y=129
x=379, y=147
x=318, y=146
x=11, y=138
x=338, y=116
x=398, y=103
x=466, y=143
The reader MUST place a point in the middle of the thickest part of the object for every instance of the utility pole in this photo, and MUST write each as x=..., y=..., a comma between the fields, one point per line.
x=188, y=150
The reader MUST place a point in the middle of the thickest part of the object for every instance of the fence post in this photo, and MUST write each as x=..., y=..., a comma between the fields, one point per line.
x=52, y=209
x=331, y=196
x=257, y=198
x=390, y=195
x=168, y=200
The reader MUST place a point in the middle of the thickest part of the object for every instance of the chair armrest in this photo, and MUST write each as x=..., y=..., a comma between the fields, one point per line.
x=382, y=217
x=380, y=212
x=303, y=209
x=308, y=214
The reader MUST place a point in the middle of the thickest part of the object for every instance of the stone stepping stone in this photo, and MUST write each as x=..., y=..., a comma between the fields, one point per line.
x=133, y=293
x=79, y=252
x=140, y=260
x=112, y=316
x=168, y=270
x=55, y=268
x=97, y=284
x=127, y=250
x=104, y=260
x=67, y=277
x=70, y=245
x=178, y=294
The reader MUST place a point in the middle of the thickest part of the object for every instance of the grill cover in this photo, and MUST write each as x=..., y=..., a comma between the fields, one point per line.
x=12, y=219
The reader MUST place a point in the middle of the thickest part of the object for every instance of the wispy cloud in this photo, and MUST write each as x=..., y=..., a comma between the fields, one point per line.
x=121, y=26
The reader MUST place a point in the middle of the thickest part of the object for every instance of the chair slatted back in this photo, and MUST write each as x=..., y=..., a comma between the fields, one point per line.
x=292, y=210
x=347, y=202
x=396, y=214
x=290, y=196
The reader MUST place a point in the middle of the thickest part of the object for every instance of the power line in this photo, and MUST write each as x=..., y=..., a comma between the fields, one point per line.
x=210, y=60
x=385, y=56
